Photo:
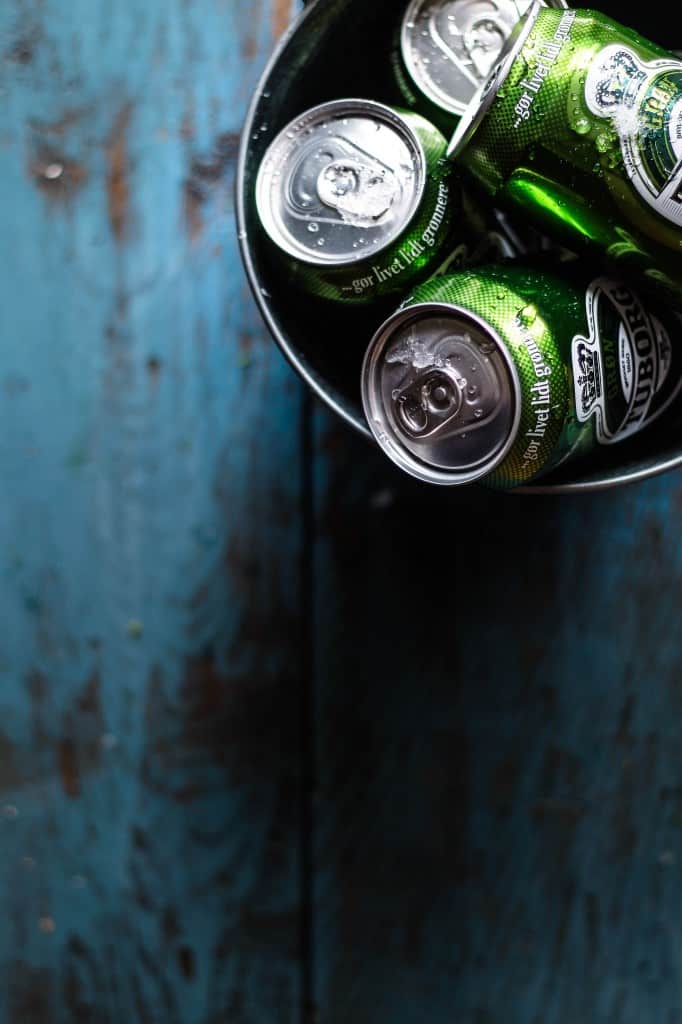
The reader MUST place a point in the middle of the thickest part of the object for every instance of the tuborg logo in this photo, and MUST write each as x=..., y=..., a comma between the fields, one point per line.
x=588, y=378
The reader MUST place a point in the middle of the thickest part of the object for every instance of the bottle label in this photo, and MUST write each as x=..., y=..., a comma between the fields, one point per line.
x=643, y=101
x=622, y=368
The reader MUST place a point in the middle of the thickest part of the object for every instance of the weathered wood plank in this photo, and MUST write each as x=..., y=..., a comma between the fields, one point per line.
x=498, y=756
x=149, y=541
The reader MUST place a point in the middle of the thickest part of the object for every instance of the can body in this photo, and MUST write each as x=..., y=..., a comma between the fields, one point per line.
x=581, y=128
x=358, y=200
x=588, y=365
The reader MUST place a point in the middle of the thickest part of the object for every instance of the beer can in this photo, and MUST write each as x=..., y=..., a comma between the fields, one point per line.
x=447, y=48
x=357, y=199
x=502, y=373
x=579, y=127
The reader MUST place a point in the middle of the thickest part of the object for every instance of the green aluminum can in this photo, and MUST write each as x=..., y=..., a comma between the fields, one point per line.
x=580, y=127
x=357, y=199
x=504, y=372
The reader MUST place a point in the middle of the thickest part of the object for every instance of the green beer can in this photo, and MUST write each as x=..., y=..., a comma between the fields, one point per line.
x=357, y=199
x=580, y=127
x=502, y=373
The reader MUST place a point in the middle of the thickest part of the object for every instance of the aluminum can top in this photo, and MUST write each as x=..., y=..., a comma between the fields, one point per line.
x=484, y=97
x=341, y=182
x=449, y=47
x=441, y=393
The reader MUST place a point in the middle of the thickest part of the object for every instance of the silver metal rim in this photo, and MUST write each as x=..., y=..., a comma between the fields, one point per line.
x=376, y=417
x=351, y=106
x=485, y=95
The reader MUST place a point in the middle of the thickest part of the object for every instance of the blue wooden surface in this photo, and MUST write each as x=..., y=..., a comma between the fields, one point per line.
x=149, y=546
x=283, y=736
x=498, y=819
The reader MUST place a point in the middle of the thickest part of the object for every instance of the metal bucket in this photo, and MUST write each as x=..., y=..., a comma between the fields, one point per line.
x=340, y=48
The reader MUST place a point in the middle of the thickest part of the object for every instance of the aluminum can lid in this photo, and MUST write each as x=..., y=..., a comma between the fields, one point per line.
x=450, y=47
x=341, y=182
x=441, y=393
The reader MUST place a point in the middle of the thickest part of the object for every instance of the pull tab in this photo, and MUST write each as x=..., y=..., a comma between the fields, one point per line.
x=483, y=41
x=429, y=402
x=357, y=190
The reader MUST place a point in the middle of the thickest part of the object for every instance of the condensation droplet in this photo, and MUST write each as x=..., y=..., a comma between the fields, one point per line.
x=313, y=227
x=582, y=126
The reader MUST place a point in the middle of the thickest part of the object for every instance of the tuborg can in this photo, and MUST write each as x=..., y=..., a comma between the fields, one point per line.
x=502, y=373
x=447, y=48
x=580, y=126
x=357, y=199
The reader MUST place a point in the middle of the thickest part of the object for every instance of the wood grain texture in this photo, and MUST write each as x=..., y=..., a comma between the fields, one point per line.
x=498, y=827
x=493, y=731
x=149, y=540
